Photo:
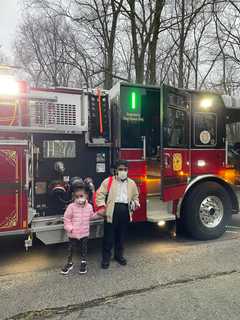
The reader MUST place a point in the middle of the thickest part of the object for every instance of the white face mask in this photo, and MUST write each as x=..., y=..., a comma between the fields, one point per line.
x=122, y=175
x=80, y=200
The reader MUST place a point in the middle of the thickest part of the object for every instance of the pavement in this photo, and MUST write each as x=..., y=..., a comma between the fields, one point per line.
x=164, y=279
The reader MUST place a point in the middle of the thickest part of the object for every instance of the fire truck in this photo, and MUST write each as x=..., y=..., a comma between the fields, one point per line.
x=182, y=146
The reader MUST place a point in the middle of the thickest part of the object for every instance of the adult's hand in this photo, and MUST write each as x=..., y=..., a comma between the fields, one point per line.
x=134, y=205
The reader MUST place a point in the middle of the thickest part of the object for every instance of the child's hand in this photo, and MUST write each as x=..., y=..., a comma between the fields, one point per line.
x=101, y=209
x=101, y=212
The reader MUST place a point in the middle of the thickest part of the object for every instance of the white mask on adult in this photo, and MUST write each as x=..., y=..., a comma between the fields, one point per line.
x=122, y=174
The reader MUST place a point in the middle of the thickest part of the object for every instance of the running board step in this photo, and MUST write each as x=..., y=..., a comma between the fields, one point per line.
x=158, y=210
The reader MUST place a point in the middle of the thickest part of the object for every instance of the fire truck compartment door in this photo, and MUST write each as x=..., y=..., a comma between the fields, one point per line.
x=13, y=196
x=174, y=142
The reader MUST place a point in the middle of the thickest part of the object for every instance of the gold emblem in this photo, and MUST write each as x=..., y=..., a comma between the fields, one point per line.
x=11, y=155
x=177, y=161
x=10, y=221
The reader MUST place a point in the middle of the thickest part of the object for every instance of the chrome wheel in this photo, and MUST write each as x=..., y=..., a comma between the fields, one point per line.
x=211, y=211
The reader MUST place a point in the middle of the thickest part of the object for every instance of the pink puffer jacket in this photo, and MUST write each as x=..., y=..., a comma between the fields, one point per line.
x=77, y=220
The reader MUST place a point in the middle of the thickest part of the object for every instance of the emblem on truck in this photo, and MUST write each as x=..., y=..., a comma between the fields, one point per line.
x=177, y=161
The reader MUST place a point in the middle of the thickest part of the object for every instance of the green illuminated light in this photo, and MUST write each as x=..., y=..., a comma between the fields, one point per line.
x=133, y=100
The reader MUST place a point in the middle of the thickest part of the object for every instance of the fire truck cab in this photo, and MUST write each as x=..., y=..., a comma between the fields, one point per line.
x=183, y=150
x=178, y=144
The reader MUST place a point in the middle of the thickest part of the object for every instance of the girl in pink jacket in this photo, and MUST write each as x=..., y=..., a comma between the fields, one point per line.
x=77, y=224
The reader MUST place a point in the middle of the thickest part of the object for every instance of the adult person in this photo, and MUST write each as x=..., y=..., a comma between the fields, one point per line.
x=117, y=197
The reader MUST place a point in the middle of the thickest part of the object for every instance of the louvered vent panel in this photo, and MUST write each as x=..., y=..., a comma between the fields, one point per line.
x=62, y=114
x=43, y=114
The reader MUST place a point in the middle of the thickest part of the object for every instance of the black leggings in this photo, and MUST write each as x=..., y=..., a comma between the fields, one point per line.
x=81, y=245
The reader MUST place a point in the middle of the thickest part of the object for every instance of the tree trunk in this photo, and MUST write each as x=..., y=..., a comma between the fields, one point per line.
x=152, y=49
x=139, y=69
x=108, y=70
x=139, y=60
x=181, y=48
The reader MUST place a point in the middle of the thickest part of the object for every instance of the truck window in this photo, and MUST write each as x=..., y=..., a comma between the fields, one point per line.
x=233, y=132
x=175, y=128
x=233, y=137
x=205, y=129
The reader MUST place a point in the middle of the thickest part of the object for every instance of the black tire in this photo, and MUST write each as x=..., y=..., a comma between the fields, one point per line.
x=191, y=220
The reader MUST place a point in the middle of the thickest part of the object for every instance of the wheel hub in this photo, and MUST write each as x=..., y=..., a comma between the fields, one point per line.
x=211, y=211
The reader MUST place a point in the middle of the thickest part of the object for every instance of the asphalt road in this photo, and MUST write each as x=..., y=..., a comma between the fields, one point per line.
x=164, y=279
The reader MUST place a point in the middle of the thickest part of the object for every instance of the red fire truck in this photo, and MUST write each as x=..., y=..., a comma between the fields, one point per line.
x=183, y=149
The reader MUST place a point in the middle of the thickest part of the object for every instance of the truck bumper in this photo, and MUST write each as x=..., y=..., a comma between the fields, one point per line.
x=50, y=229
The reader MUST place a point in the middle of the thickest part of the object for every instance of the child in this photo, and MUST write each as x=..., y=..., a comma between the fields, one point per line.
x=77, y=224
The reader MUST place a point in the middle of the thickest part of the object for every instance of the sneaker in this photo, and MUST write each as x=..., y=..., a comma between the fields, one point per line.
x=67, y=268
x=83, y=267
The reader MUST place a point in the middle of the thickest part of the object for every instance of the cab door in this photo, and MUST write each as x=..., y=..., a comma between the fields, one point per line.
x=175, y=142
x=13, y=195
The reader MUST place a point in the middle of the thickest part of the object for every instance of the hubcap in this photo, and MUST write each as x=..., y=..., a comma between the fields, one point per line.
x=211, y=211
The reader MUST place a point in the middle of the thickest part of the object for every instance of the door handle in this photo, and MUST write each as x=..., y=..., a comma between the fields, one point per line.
x=144, y=147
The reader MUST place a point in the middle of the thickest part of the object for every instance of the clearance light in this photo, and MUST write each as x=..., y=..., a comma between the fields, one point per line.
x=206, y=103
x=161, y=223
x=201, y=163
x=182, y=174
x=153, y=180
x=8, y=86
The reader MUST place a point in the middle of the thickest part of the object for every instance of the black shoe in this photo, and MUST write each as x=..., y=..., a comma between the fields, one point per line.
x=67, y=268
x=83, y=267
x=121, y=260
x=105, y=264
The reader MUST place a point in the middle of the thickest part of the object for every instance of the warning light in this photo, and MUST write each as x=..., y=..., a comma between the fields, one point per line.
x=229, y=175
x=133, y=100
x=8, y=86
x=130, y=100
x=206, y=103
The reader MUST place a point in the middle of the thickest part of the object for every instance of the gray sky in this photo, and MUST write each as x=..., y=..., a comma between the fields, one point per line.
x=9, y=17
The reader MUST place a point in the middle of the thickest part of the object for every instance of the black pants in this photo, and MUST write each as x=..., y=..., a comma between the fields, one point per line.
x=81, y=245
x=114, y=233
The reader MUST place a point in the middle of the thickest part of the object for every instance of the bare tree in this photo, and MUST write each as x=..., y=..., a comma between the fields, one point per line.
x=186, y=13
x=40, y=51
x=98, y=19
x=198, y=46
x=186, y=43
x=124, y=55
x=228, y=39
x=145, y=17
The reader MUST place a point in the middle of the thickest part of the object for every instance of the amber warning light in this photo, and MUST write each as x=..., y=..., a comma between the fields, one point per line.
x=229, y=175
